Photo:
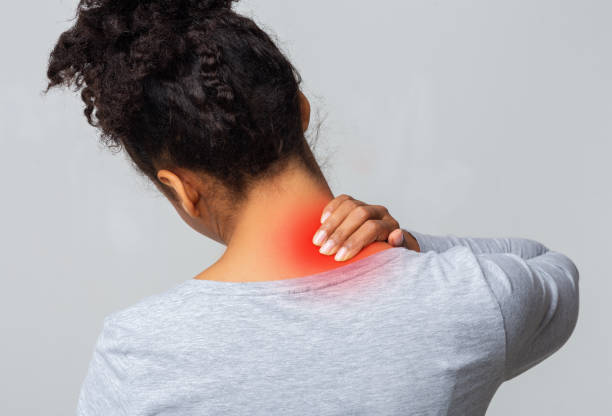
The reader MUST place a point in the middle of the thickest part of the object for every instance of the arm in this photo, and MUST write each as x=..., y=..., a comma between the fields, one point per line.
x=102, y=391
x=538, y=300
x=536, y=289
x=522, y=247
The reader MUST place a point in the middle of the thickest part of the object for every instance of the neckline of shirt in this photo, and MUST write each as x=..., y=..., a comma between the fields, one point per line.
x=297, y=284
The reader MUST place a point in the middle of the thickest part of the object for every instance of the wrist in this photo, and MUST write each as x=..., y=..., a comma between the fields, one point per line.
x=410, y=242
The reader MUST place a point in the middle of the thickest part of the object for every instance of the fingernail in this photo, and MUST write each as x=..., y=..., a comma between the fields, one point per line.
x=324, y=217
x=329, y=244
x=401, y=239
x=319, y=237
x=341, y=254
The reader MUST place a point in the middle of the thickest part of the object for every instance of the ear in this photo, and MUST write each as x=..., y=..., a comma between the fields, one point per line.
x=305, y=110
x=186, y=195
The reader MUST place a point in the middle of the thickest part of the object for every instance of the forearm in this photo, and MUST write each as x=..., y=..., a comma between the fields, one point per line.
x=522, y=247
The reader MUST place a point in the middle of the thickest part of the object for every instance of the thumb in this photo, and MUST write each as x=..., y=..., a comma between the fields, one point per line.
x=396, y=238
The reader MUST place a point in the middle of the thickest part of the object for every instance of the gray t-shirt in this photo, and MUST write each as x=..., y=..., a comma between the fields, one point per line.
x=395, y=333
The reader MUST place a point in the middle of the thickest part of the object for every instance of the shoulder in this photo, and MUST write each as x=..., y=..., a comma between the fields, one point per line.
x=448, y=287
x=153, y=308
x=130, y=334
x=453, y=275
x=453, y=259
x=120, y=355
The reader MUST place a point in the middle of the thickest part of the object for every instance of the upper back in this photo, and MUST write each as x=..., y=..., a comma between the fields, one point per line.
x=397, y=333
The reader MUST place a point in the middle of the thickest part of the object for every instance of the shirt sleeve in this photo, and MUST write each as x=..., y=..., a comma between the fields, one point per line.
x=103, y=389
x=536, y=289
x=538, y=298
x=522, y=247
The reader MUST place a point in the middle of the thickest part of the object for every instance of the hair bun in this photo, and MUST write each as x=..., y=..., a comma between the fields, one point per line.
x=214, y=4
x=185, y=5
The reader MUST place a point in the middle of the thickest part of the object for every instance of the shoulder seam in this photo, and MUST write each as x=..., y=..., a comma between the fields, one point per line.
x=500, y=312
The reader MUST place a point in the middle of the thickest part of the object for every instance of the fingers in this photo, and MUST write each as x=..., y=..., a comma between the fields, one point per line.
x=349, y=217
x=343, y=208
x=332, y=205
x=368, y=232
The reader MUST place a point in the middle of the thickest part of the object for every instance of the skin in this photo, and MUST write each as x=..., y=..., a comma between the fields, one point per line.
x=269, y=236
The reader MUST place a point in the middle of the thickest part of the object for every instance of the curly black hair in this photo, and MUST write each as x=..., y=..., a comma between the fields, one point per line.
x=184, y=83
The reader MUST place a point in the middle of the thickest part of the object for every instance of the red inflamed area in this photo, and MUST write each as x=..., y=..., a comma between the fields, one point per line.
x=293, y=238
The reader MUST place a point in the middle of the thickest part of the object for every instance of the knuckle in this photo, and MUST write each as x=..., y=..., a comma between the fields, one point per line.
x=381, y=211
x=371, y=226
x=348, y=205
x=392, y=222
x=352, y=202
x=362, y=212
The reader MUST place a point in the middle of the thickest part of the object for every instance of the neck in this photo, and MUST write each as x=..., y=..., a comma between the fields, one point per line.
x=272, y=237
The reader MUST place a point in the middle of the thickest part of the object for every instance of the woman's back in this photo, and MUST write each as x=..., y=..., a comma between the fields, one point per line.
x=398, y=332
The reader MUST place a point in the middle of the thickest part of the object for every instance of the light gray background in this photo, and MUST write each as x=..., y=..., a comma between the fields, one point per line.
x=478, y=118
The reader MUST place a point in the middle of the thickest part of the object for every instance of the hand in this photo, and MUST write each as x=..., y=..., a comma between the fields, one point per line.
x=351, y=224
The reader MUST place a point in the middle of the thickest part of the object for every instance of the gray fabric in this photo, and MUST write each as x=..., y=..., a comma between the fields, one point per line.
x=395, y=333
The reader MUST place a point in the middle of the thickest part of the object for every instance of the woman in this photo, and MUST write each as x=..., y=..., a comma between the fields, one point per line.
x=210, y=110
